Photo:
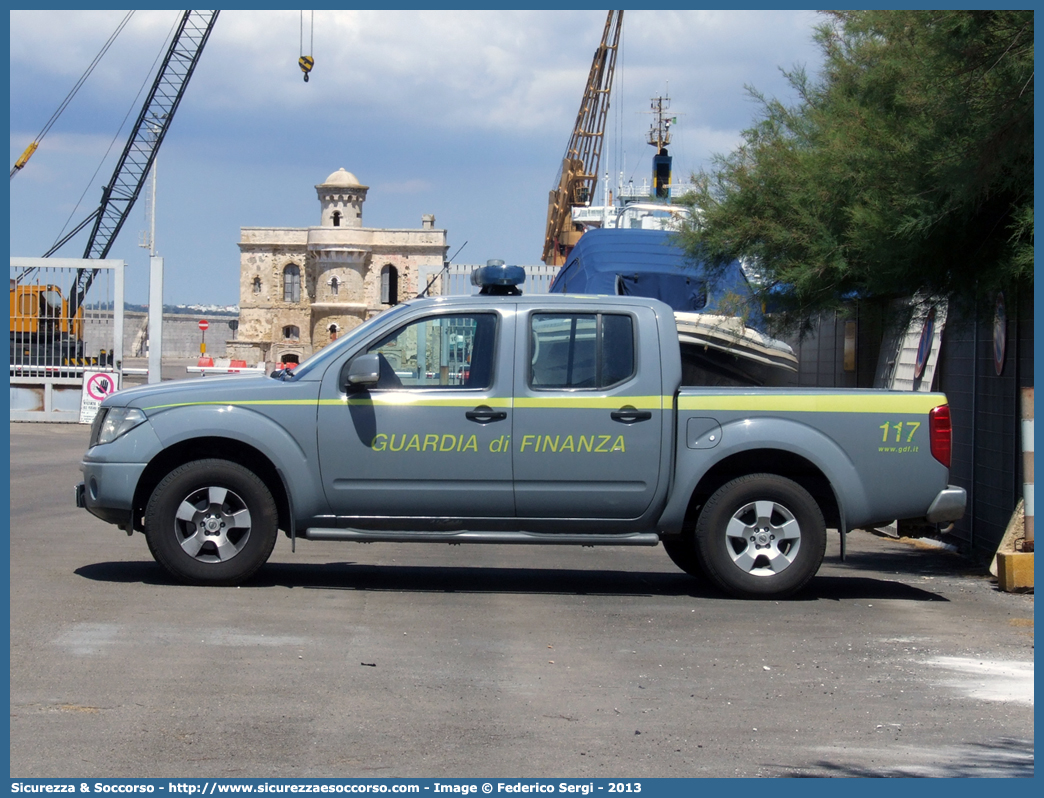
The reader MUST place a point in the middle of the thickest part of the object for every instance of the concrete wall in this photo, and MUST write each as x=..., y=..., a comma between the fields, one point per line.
x=181, y=334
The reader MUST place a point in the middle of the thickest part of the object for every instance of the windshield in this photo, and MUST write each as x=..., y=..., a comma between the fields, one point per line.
x=321, y=359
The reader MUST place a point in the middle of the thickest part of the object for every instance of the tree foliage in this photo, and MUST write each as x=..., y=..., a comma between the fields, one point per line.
x=906, y=167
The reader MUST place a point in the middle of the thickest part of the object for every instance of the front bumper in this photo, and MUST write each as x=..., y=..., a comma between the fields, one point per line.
x=948, y=505
x=111, y=473
x=108, y=491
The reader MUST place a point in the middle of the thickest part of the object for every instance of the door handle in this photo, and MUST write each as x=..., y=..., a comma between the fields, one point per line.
x=629, y=415
x=483, y=414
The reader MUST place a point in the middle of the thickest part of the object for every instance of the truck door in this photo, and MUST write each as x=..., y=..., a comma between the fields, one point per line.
x=587, y=421
x=432, y=438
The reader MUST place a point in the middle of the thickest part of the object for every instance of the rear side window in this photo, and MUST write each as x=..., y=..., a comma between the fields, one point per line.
x=580, y=350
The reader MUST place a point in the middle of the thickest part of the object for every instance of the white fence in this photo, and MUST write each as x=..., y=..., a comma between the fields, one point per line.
x=457, y=279
x=57, y=334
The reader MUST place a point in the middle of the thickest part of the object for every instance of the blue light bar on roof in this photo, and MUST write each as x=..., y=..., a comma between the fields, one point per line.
x=496, y=273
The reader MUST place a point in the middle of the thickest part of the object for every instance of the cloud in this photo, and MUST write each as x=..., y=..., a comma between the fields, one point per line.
x=464, y=114
x=454, y=70
x=509, y=72
x=67, y=143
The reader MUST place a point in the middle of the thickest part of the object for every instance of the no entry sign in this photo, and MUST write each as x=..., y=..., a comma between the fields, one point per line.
x=204, y=324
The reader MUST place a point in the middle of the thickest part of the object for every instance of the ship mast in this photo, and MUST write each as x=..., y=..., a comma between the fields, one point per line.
x=660, y=137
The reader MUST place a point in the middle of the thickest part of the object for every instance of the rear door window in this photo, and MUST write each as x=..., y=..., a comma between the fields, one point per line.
x=580, y=350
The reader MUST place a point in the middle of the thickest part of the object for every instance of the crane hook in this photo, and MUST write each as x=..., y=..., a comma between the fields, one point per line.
x=306, y=62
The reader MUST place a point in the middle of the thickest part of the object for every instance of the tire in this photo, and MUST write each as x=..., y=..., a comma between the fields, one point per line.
x=683, y=553
x=211, y=522
x=761, y=536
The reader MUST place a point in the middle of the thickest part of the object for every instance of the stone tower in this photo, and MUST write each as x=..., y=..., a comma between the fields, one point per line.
x=341, y=198
x=301, y=288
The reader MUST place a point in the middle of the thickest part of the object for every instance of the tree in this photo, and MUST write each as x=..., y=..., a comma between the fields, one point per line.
x=906, y=167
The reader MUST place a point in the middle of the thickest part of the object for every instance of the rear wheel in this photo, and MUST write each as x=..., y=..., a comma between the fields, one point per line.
x=761, y=536
x=211, y=522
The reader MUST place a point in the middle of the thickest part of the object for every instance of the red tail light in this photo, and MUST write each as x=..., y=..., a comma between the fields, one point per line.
x=939, y=433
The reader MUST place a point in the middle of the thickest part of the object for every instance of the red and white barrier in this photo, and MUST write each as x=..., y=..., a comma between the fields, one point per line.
x=223, y=366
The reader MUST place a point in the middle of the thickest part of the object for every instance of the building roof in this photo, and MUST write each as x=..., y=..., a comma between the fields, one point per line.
x=342, y=178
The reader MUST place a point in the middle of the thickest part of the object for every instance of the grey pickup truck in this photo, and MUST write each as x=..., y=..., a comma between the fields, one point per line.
x=503, y=418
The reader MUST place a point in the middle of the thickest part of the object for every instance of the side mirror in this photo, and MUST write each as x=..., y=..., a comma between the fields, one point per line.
x=363, y=371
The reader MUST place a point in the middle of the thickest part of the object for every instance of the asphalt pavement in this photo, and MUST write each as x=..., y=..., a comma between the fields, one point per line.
x=398, y=660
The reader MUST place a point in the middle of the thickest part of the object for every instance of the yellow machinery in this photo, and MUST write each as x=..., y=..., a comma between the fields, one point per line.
x=43, y=330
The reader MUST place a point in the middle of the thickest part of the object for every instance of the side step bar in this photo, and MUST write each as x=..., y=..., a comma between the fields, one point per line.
x=567, y=539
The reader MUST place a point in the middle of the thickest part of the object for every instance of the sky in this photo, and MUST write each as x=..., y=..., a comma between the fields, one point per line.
x=462, y=114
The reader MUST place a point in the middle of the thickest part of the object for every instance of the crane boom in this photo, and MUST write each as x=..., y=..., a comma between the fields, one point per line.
x=579, y=173
x=119, y=196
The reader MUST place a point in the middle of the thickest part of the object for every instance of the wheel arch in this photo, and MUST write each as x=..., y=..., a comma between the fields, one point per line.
x=788, y=465
x=216, y=447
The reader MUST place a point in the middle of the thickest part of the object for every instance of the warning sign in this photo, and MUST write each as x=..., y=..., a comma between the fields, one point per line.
x=96, y=386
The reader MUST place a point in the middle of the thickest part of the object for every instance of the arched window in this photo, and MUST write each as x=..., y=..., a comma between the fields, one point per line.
x=292, y=283
x=335, y=286
x=257, y=285
x=291, y=332
x=389, y=285
x=336, y=218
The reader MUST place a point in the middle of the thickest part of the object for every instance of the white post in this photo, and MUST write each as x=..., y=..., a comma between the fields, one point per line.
x=117, y=321
x=152, y=209
x=155, y=318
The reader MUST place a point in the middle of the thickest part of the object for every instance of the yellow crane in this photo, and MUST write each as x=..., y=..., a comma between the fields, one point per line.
x=579, y=173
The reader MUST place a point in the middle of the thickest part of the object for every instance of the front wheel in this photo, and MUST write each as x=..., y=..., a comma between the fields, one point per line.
x=211, y=522
x=761, y=536
x=683, y=553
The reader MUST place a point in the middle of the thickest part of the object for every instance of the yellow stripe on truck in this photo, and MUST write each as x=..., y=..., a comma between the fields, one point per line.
x=919, y=403
x=581, y=402
x=237, y=403
x=912, y=403
x=403, y=399
x=411, y=399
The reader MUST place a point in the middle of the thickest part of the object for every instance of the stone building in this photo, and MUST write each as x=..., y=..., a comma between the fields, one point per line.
x=302, y=287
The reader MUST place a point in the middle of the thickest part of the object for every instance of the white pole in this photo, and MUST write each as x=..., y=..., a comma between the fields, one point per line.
x=117, y=321
x=155, y=319
x=152, y=210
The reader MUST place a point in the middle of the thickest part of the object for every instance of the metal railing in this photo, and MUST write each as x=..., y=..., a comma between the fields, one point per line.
x=457, y=279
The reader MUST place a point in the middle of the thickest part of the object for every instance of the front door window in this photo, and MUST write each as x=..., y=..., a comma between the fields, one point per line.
x=439, y=352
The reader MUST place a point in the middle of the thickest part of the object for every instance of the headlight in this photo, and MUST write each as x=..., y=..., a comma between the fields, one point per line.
x=112, y=422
